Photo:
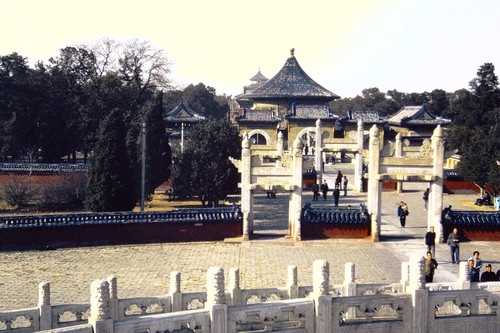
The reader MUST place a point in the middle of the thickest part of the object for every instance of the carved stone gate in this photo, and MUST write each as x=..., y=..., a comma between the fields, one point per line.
x=271, y=168
x=265, y=168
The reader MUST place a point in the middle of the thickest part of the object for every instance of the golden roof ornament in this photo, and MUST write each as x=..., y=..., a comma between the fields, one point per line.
x=292, y=51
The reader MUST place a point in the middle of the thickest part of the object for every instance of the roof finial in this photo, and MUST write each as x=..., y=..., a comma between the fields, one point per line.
x=292, y=51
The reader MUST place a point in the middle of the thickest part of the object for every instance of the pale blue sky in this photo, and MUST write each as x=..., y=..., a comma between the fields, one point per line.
x=346, y=46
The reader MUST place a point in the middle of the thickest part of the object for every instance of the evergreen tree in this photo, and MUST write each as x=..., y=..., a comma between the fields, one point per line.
x=476, y=130
x=204, y=169
x=110, y=178
x=158, y=153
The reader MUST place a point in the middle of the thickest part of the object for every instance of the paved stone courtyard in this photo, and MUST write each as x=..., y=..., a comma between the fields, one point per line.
x=143, y=270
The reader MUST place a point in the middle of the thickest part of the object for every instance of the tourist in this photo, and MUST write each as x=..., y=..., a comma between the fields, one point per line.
x=336, y=195
x=453, y=242
x=484, y=200
x=473, y=273
x=315, y=189
x=430, y=241
x=324, y=189
x=488, y=275
x=426, y=198
x=402, y=213
x=430, y=265
x=477, y=262
x=345, y=185
x=338, y=180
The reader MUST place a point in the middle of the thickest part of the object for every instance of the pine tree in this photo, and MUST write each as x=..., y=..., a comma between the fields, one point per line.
x=204, y=169
x=158, y=152
x=110, y=179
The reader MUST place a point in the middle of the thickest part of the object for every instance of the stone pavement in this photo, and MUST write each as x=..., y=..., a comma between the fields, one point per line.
x=143, y=270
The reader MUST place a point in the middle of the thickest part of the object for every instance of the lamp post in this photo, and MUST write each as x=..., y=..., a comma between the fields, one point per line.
x=143, y=166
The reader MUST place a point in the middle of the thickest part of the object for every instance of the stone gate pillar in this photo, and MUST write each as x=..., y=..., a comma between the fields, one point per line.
x=374, y=188
x=399, y=153
x=318, y=158
x=246, y=195
x=436, y=193
x=279, y=146
x=296, y=194
x=358, y=166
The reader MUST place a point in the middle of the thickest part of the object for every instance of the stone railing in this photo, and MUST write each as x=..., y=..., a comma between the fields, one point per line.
x=407, y=306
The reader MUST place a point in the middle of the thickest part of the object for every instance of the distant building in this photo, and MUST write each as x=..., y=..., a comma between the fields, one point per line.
x=177, y=122
x=415, y=120
x=287, y=103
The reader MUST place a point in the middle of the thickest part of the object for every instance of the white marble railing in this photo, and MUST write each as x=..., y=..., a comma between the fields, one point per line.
x=321, y=307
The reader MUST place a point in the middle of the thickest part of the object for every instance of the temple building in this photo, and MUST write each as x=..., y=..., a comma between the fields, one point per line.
x=287, y=103
x=177, y=123
x=415, y=121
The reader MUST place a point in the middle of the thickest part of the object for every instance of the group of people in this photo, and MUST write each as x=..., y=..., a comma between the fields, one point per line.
x=474, y=263
x=324, y=188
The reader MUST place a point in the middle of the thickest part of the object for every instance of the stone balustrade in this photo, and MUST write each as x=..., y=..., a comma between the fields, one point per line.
x=408, y=306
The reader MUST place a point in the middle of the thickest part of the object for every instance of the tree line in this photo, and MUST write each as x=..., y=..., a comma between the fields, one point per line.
x=475, y=129
x=93, y=99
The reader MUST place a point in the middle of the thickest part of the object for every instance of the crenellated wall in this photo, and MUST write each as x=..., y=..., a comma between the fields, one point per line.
x=408, y=306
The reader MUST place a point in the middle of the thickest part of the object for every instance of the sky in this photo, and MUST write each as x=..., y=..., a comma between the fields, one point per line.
x=345, y=46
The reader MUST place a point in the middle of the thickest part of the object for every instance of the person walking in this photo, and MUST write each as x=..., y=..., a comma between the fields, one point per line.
x=430, y=266
x=345, y=185
x=402, y=213
x=338, y=180
x=336, y=195
x=454, y=244
x=315, y=189
x=324, y=189
x=426, y=198
x=430, y=241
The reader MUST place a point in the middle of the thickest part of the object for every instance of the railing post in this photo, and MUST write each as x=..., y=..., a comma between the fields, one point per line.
x=463, y=275
x=420, y=295
x=234, y=286
x=322, y=299
x=113, y=298
x=44, y=307
x=405, y=275
x=175, y=291
x=216, y=300
x=100, y=316
x=291, y=282
x=350, y=285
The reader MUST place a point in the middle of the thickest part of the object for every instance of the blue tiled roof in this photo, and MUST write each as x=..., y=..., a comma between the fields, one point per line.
x=469, y=218
x=42, y=167
x=222, y=214
x=335, y=215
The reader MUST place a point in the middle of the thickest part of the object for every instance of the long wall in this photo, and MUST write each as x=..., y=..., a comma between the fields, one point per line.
x=409, y=306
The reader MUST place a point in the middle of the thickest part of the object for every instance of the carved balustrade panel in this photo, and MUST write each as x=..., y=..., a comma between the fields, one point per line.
x=19, y=319
x=253, y=296
x=290, y=315
x=76, y=315
x=179, y=322
x=142, y=306
x=379, y=289
x=193, y=301
x=370, y=309
x=463, y=303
